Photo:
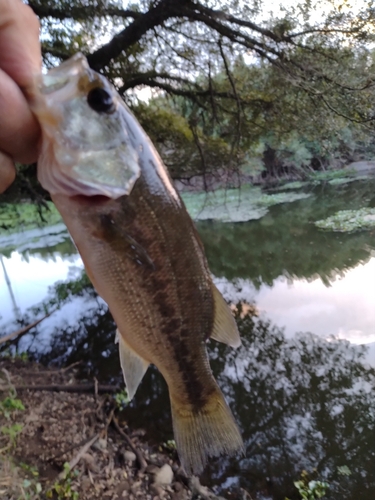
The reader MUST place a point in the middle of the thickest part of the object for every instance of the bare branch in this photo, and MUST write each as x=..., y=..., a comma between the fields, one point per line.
x=73, y=12
x=238, y=103
x=134, y=32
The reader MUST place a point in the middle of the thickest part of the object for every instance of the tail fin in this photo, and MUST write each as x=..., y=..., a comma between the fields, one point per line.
x=207, y=432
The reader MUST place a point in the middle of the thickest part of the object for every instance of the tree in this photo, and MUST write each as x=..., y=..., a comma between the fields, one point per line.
x=240, y=72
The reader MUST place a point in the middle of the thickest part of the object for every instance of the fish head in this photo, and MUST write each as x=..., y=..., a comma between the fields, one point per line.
x=86, y=148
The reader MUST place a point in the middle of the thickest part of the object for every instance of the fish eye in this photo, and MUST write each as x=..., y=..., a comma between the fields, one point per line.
x=100, y=100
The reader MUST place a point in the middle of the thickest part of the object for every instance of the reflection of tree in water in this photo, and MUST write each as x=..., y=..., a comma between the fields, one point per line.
x=285, y=241
x=301, y=403
x=44, y=247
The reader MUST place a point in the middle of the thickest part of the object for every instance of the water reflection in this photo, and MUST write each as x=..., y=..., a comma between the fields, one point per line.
x=286, y=243
x=29, y=276
x=345, y=309
x=301, y=403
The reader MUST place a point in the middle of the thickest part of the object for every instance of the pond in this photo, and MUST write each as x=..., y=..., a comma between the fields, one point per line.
x=301, y=386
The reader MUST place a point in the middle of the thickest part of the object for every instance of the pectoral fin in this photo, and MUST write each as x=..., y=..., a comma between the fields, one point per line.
x=133, y=366
x=225, y=328
x=136, y=252
x=113, y=233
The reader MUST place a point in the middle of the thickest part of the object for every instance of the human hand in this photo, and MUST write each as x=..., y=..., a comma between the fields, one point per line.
x=20, y=59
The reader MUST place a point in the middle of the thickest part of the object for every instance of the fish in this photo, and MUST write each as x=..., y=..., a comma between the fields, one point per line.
x=140, y=249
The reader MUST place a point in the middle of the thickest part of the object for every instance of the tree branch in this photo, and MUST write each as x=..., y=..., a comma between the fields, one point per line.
x=134, y=32
x=76, y=13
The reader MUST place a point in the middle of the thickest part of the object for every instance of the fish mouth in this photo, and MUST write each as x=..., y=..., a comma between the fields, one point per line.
x=64, y=78
x=97, y=200
x=57, y=78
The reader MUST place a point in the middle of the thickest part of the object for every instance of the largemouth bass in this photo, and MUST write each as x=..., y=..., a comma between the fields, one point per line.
x=140, y=249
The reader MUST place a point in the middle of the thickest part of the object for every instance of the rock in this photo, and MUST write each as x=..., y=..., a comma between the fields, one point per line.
x=129, y=456
x=136, y=487
x=123, y=488
x=85, y=483
x=180, y=495
x=156, y=489
x=90, y=462
x=152, y=469
x=100, y=444
x=164, y=475
x=202, y=491
x=178, y=486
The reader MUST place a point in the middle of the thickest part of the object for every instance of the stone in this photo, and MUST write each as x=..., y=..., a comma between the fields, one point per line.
x=156, y=489
x=129, y=456
x=100, y=444
x=90, y=462
x=164, y=475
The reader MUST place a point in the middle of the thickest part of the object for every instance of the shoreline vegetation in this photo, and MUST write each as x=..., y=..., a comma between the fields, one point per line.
x=222, y=200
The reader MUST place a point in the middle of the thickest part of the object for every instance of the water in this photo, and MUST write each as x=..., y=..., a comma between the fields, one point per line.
x=302, y=401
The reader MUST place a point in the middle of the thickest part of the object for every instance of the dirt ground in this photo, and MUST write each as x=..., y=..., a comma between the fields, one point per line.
x=73, y=445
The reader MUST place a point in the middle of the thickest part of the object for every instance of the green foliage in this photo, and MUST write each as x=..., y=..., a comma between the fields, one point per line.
x=19, y=217
x=11, y=431
x=20, y=481
x=122, y=399
x=10, y=354
x=9, y=405
x=63, y=488
x=32, y=489
x=169, y=446
x=344, y=470
x=234, y=87
x=31, y=470
x=310, y=489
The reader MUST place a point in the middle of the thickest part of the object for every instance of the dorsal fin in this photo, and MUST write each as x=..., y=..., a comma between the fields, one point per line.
x=225, y=329
x=133, y=366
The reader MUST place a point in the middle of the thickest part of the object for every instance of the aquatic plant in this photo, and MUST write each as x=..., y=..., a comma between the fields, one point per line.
x=348, y=220
x=235, y=205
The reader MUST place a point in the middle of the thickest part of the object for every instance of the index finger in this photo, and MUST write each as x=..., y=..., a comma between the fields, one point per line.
x=20, y=55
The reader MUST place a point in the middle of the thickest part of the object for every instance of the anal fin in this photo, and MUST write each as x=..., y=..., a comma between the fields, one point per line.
x=225, y=329
x=133, y=366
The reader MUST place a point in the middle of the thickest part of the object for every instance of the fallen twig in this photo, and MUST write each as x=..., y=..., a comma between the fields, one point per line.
x=85, y=448
x=24, y=330
x=68, y=388
x=68, y=450
x=67, y=368
x=51, y=371
x=141, y=460
x=85, y=441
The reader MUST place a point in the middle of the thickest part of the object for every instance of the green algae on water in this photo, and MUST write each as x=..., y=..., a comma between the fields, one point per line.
x=346, y=221
x=235, y=205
